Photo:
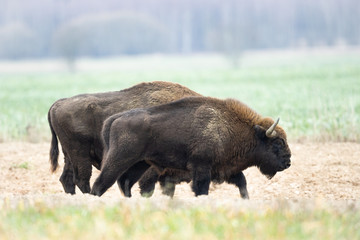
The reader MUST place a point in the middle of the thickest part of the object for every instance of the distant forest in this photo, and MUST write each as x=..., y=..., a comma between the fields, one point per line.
x=73, y=28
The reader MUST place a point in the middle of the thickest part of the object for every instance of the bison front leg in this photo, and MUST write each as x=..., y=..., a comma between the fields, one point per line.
x=167, y=185
x=201, y=177
x=239, y=180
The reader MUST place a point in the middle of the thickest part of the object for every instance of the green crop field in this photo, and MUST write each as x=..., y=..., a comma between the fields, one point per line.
x=316, y=95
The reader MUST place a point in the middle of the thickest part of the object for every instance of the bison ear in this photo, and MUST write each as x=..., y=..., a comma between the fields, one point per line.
x=260, y=132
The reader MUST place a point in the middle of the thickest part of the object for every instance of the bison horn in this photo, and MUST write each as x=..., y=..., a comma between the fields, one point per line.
x=271, y=131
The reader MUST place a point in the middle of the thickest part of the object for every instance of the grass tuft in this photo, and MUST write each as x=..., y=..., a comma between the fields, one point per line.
x=24, y=165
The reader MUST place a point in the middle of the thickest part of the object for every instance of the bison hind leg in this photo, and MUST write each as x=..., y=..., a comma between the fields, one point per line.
x=131, y=176
x=84, y=185
x=114, y=166
x=147, y=191
x=148, y=181
x=82, y=176
x=67, y=178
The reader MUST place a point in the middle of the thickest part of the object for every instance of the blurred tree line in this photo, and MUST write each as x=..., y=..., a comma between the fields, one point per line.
x=73, y=28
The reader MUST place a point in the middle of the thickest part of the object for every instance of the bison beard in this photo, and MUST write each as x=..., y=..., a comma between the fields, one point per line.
x=212, y=139
x=77, y=123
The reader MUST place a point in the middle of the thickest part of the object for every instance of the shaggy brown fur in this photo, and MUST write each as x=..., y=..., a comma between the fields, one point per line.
x=213, y=139
x=77, y=123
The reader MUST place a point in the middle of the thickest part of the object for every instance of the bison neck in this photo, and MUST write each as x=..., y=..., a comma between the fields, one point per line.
x=240, y=159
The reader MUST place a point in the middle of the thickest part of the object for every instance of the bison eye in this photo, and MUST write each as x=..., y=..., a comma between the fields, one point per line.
x=280, y=142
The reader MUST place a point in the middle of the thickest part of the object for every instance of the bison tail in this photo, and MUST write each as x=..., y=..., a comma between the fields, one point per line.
x=54, y=149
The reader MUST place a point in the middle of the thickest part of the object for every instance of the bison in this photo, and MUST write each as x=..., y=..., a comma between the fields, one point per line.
x=213, y=139
x=77, y=122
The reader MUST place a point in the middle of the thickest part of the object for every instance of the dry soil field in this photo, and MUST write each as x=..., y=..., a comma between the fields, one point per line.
x=329, y=171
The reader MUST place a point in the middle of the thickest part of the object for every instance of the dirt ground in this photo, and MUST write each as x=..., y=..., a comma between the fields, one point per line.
x=328, y=171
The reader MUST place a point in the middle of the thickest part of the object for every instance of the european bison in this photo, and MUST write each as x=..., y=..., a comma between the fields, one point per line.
x=212, y=139
x=77, y=122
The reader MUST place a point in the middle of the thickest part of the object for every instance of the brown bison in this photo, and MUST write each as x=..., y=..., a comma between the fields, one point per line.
x=215, y=140
x=77, y=122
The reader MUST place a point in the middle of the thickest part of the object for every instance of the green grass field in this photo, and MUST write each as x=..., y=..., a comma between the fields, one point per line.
x=317, y=96
x=146, y=220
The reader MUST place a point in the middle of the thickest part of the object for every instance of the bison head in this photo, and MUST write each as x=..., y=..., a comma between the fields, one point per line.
x=272, y=153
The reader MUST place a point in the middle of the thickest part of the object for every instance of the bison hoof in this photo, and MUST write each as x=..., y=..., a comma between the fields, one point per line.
x=147, y=194
x=71, y=191
x=244, y=193
x=95, y=193
x=85, y=189
x=98, y=189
